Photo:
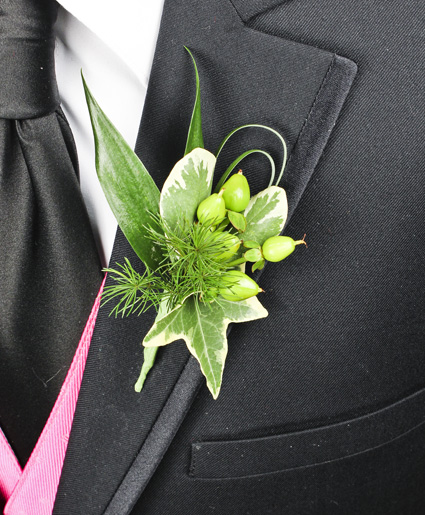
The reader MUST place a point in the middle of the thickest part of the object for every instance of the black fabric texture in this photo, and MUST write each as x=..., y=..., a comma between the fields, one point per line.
x=28, y=86
x=249, y=8
x=316, y=129
x=345, y=333
x=306, y=153
x=158, y=440
x=344, y=340
x=50, y=272
x=257, y=456
x=111, y=421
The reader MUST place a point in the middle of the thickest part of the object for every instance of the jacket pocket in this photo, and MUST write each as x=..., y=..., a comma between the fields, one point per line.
x=278, y=453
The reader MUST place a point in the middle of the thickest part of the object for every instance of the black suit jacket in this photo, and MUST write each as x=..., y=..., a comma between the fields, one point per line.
x=322, y=405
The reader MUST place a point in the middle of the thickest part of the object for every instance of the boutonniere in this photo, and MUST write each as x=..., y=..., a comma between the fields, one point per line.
x=194, y=242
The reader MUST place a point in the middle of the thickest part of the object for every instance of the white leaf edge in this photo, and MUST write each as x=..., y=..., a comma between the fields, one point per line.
x=176, y=180
x=258, y=311
x=277, y=211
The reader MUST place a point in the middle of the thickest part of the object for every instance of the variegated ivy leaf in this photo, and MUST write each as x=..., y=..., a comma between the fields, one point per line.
x=266, y=214
x=203, y=328
x=188, y=184
x=149, y=353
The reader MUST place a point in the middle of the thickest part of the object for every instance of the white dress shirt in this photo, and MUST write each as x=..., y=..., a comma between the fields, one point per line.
x=113, y=45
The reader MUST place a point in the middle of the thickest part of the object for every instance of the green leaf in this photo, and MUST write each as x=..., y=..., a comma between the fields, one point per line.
x=266, y=214
x=251, y=244
x=259, y=265
x=203, y=327
x=253, y=255
x=188, y=184
x=149, y=355
x=237, y=220
x=222, y=225
x=194, y=137
x=129, y=189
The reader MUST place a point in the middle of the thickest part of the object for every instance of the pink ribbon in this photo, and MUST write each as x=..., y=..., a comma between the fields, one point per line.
x=33, y=490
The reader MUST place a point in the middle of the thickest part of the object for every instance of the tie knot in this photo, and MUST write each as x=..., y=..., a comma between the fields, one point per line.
x=28, y=83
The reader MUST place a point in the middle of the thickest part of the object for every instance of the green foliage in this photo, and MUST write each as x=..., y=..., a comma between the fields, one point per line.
x=204, y=329
x=266, y=214
x=259, y=265
x=194, y=137
x=192, y=266
x=236, y=162
x=237, y=220
x=188, y=184
x=248, y=152
x=189, y=277
x=149, y=355
x=128, y=187
x=135, y=293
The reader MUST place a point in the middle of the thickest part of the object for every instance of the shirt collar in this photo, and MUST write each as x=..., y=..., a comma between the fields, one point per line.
x=130, y=31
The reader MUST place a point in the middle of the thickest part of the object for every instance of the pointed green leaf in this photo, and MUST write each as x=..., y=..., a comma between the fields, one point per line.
x=149, y=353
x=266, y=214
x=188, y=184
x=222, y=225
x=259, y=265
x=194, y=137
x=128, y=186
x=237, y=220
x=203, y=328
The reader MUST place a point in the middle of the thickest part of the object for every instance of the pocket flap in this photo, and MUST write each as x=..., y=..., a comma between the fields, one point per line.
x=250, y=457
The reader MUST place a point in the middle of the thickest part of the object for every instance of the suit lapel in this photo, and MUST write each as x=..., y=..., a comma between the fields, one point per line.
x=119, y=436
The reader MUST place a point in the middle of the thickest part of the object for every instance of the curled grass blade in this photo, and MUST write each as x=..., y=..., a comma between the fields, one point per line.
x=284, y=148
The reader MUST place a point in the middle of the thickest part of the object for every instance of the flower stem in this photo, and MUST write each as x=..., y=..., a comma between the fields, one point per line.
x=149, y=354
x=237, y=262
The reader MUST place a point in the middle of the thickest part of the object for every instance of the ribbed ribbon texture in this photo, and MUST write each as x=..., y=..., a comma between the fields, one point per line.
x=33, y=491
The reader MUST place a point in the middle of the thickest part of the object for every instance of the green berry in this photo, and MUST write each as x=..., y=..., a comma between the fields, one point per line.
x=236, y=192
x=238, y=286
x=277, y=248
x=212, y=210
x=229, y=244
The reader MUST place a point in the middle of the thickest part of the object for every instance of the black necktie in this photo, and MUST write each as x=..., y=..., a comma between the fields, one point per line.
x=49, y=268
